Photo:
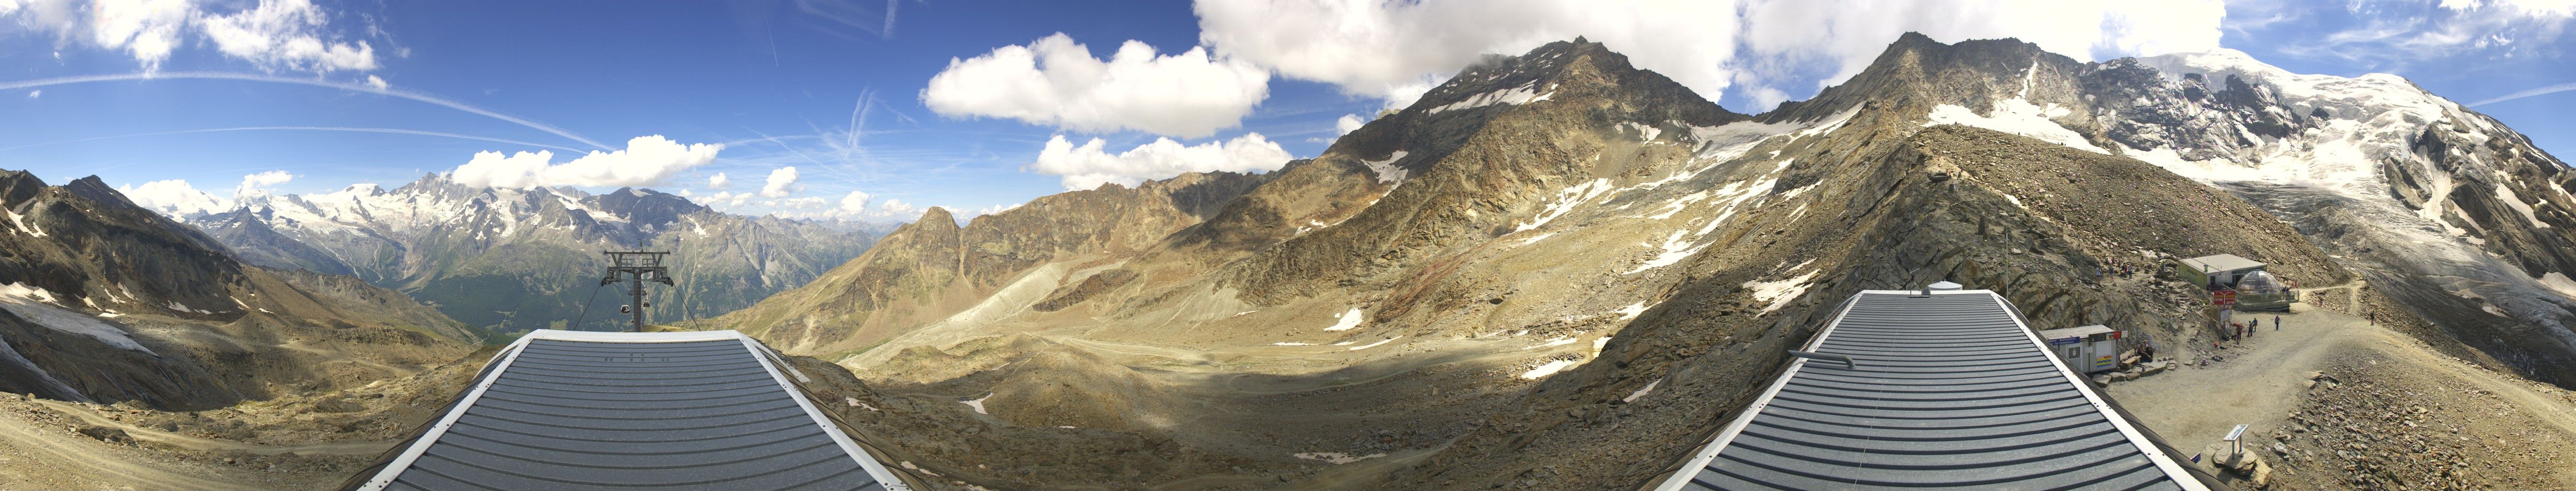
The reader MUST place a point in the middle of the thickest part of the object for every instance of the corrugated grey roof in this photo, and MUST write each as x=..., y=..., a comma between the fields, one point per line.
x=587, y=411
x=1950, y=392
x=2221, y=262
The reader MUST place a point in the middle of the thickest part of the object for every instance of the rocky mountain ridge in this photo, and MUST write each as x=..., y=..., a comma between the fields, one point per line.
x=1557, y=271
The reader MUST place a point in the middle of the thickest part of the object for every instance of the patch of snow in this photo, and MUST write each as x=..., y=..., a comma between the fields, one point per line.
x=1551, y=342
x=1373, y=345
x=2559, y=283
x=9, y=357
x=1534, y=239
x=21, y=222
x=1350, y=320
x=1521, y=95
x=1645, y=132
x=1642, y=391
x=1631, y=311
x=1676, y=248
x=2017, y=116
x=1549, y=369
x=1566, y=201
x=1676, y=205
x=1386, y=170
x=111, y=314
x=37, y=305
x=978, y=403
x=1292, y=344
x=2505, y=193
x=1599, y=343
x=1336, y=458
x=1779, y=293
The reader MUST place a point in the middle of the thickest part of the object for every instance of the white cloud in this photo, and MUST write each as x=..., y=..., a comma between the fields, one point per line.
x=855, y=202
x=725, y=198
x=1056, y=82
x=258, y=184
x=646, y=161
x=1088, y=166
x=1348, y=124
x=994, y=209
x=799, y=203
x=35, y=94
x=782, y=182
x=896, y=208
x=1394, y=49
x=274, y=35
x=174, y=197
x=285, y=35
x=719, y=181
x=378, y=83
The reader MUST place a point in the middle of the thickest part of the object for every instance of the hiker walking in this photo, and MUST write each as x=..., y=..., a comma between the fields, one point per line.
x=2276, y=323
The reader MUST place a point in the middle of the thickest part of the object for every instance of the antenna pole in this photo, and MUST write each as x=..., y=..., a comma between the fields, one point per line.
x=638, y=267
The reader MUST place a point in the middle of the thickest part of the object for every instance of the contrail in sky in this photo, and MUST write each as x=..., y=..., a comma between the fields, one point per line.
x=2528, y=93
x=306, y=128
x=353, y=87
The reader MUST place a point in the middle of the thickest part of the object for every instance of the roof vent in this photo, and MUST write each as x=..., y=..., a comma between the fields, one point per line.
x=1942, y=286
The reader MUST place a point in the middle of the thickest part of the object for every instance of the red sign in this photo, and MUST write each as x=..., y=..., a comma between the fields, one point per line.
x=2222, y=298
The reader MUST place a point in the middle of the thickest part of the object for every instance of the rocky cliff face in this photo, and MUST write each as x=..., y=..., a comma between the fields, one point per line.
x=1559, y=272
x=102, y=300
x=507, y=260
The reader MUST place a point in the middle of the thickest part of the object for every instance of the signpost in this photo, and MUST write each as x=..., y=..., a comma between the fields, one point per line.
x=2235, y=439
x=2223, y=298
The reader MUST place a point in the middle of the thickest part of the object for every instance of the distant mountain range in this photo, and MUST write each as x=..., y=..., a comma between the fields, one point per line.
x=507, y=260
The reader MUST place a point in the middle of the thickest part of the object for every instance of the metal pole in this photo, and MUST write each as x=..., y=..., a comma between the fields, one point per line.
x=636, y=278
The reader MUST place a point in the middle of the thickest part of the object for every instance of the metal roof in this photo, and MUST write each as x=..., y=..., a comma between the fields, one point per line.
x=2076, y=332
x=2221, y=262
x=1949, y=391
x=564, y=410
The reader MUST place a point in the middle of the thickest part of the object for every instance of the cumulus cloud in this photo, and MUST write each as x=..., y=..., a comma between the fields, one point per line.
x=782, y=182
x=797, y=203
x=1089, y=165
x=1397, y=50
x=646, y=161
x=719, y=181
x=994, y=209
x=1056, y=82
x=896, y=208
x=855, y=202
x=274, y=35
x=285, y=35
x=35, y=93
x=1348, y=124
x=258, y=184
x=174, y=197
x=378, y=83
x=725, y=198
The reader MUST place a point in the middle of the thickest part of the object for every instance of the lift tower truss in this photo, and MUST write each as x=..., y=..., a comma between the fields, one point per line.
x=639, y=268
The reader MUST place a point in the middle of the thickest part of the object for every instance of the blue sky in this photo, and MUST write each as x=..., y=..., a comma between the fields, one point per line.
x=780, y=83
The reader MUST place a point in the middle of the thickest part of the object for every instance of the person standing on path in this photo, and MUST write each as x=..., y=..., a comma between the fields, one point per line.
x=2276, y=323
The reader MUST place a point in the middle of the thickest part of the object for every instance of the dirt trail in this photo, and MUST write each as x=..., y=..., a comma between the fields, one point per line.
x=48, y=457
x=2264, y=380
x=90, y=417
